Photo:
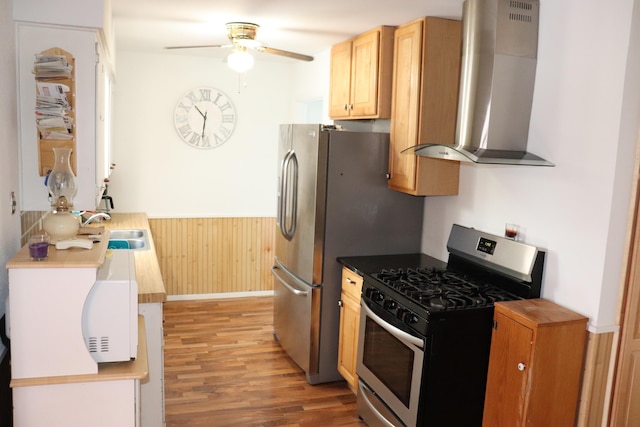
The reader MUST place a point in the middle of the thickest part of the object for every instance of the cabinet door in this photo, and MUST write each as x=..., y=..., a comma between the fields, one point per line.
x=340, y=78
x=405, y=107
x=81, y=43
x=349, y=326
x=152, y=390
x=365, y=52
x=348, y=341
x=426, y=70
x=511, y=349
x=104, y=91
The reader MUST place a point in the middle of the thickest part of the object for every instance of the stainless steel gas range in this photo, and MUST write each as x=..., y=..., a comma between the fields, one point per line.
x=425, y=327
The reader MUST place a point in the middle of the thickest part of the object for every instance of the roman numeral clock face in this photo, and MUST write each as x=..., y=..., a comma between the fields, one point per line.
x=204, y=118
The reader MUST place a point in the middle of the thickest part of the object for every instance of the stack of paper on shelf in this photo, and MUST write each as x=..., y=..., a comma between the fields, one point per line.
x=48, y=66
x=52, y=107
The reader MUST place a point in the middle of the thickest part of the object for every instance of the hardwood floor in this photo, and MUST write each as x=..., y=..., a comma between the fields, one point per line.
x=223, y=368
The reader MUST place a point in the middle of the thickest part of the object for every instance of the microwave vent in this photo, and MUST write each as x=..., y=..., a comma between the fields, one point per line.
x=96, y=345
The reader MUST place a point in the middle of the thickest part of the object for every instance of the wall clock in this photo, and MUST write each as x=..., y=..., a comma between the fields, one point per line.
x=204, y=117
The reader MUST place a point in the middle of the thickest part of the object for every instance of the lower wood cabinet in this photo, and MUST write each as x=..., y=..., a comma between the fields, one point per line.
x=535, y=365
x=349, y=326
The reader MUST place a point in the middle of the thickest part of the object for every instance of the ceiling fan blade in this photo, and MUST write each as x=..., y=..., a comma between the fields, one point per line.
x=199, y=46
x=286, y=53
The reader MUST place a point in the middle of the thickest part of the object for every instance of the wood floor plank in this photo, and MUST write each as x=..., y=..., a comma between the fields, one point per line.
x=224, y=368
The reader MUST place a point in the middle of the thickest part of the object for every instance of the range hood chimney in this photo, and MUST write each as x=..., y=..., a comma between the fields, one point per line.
x=499, y=49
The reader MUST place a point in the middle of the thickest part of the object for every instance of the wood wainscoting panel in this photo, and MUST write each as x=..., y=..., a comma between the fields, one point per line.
x=594, y=381
x=214, y=255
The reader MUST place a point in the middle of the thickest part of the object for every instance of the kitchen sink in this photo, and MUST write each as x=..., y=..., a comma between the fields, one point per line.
x=128, y=239
x=127, y=234
x=126, y=244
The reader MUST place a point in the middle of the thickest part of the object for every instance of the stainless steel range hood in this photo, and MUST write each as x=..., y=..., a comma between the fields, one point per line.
x=499, y=49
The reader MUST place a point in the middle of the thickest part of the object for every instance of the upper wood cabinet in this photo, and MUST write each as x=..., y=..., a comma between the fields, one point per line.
x=535, y=364
x=360, y=79
x=426, y=74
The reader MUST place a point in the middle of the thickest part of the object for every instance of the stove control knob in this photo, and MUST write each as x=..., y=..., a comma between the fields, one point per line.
x=390, y=305
x=411, y=318
x=402, y=313
x=377, y=296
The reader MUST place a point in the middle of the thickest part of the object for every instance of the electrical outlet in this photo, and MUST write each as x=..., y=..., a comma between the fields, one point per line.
x=12, y=201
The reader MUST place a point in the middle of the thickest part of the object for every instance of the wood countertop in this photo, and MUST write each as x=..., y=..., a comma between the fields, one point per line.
x=68, y=258
x=150, y=285
x=137, y=369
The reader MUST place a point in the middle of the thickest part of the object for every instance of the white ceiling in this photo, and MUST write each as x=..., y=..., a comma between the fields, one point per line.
x=303, y=26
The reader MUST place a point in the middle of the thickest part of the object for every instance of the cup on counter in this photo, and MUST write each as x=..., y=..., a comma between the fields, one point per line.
x=39, y=247
x=511, y=231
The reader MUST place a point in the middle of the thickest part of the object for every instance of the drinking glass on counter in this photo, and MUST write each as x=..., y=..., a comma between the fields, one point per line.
x=39, y=247
x=511, y=231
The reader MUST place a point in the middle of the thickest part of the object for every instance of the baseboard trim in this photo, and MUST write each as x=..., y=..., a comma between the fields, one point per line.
x=220, y=295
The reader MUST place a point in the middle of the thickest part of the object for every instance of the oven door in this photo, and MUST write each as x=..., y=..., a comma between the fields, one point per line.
x=390, y=363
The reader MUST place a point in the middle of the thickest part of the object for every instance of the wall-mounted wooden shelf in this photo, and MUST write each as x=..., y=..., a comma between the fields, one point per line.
x=46, y=159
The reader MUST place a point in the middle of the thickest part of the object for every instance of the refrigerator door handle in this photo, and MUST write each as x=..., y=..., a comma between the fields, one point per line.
x=293, y=290
x=288, y=193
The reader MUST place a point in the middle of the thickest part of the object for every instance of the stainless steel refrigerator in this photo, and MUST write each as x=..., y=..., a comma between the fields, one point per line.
x=333, y=201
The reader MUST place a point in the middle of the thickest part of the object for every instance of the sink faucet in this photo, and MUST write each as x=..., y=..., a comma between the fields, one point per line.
x=96, y=217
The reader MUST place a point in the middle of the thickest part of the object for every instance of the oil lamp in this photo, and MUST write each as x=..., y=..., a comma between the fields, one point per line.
x=60, y=223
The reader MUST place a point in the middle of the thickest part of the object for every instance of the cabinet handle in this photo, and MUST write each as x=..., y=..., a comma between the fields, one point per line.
x=346, y=107
x=351, y=107
x=521, y=366
x=340, y=304
x=348, y=280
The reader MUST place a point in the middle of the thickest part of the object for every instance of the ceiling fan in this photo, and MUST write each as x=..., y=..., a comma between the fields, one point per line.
x=243, y=36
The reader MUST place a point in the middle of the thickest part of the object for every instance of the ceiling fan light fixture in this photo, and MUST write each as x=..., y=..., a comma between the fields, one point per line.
x=240, y=60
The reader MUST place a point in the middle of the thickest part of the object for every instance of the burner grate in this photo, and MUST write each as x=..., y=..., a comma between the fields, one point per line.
x=442, y=289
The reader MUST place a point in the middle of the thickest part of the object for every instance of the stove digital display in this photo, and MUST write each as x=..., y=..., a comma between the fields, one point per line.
x=487, y=246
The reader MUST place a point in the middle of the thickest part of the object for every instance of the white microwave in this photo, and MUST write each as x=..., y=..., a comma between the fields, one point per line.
x=110, y=314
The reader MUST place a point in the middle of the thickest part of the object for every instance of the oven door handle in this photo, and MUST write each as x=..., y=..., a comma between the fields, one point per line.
x=398, y=333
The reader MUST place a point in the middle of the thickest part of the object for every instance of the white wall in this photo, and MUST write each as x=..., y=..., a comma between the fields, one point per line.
x=9, y=224
x=311, y=90
x=585, y=119
x=159, y=174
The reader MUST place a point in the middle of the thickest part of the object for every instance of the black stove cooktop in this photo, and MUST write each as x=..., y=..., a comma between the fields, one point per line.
x=439, y=289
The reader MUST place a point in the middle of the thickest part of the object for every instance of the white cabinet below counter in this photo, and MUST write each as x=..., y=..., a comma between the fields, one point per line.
x=152, y=390
x=106, y=399
x=151, y=298
x=55, y=379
